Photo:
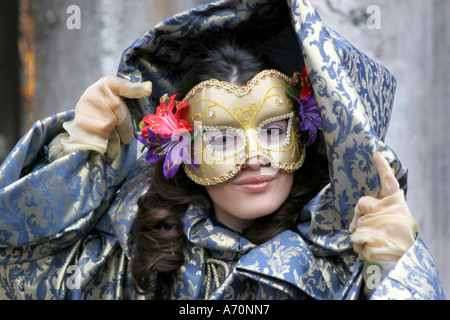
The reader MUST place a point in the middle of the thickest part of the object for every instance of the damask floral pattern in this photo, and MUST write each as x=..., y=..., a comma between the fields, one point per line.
x=70, y=242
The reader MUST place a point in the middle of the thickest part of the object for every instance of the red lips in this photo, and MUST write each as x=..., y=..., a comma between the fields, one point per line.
x=255, y=183
x=254, y=180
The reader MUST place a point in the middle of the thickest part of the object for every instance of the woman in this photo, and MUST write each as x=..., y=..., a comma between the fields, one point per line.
x=188, y=239
x=259, y=202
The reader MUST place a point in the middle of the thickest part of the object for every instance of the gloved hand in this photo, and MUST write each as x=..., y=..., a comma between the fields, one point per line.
x=383, y=229
x=102, y=118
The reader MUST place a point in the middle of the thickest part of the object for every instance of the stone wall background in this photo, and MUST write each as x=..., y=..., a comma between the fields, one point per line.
x=53, y=65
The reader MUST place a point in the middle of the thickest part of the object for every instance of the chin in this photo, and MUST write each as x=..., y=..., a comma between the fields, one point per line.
x=261, y=208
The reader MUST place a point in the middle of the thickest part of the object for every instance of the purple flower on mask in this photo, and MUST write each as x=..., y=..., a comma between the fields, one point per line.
x=309, y=114
x=173, y=149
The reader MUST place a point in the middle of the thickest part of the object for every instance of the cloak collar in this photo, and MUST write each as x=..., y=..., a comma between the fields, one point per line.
x=284, y=262
x=199, y=229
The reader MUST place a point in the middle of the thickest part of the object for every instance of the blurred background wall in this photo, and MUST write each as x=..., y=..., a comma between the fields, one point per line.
x=48, y=60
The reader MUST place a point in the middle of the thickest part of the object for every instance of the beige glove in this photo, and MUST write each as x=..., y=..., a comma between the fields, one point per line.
x=102, y=118
x=383, y=229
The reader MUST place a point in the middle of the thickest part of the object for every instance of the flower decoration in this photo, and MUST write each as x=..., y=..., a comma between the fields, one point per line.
x=165, y=121
x=167, y=136
x=309, y=113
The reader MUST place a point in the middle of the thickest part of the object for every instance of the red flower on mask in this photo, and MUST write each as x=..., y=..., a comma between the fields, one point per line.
x=165, y=121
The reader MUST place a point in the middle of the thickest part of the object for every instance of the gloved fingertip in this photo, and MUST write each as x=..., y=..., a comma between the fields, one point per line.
x=139, y=90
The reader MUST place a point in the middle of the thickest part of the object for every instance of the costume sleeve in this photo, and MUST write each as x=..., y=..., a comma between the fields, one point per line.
x=414, y=277
x=49, y=211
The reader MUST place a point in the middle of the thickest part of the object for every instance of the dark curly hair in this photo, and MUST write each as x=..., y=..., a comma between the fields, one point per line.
x=157, y=235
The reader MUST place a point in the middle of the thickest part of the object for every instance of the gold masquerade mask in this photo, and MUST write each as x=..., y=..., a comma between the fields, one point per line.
x=233, y=125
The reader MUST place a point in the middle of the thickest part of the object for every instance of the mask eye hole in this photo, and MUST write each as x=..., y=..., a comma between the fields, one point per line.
x=273, y=134
x=224, y=141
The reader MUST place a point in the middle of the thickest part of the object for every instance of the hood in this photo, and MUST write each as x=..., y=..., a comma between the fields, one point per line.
x=355, y=94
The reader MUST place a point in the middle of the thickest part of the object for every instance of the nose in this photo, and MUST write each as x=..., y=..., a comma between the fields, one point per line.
x=256, y=162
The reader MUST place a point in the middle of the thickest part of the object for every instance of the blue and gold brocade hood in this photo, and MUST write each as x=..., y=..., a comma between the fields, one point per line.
x=355, y=94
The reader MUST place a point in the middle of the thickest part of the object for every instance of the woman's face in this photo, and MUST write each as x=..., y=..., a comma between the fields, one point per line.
x=248, y=143
x=257, y=191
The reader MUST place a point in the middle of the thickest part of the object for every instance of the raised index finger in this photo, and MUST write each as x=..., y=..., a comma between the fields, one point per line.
x=389, y=184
